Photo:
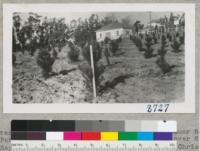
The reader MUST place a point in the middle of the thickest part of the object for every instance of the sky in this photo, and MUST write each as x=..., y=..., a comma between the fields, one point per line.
x=142, y=16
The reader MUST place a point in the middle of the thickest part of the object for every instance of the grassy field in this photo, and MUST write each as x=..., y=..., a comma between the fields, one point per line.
x=129, y=79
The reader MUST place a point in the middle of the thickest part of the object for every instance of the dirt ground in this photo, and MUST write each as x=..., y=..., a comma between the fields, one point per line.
x=129, y=79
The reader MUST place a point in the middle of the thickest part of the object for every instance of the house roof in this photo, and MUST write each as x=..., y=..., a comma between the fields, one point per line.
x=112, y=26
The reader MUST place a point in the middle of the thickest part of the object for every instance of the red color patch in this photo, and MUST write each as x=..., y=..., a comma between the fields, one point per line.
x=91, y=136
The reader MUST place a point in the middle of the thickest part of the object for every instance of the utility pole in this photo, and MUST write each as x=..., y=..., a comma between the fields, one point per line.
x=150, y=20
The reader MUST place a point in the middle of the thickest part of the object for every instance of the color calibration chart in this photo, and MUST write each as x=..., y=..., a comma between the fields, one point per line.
x=62, y=135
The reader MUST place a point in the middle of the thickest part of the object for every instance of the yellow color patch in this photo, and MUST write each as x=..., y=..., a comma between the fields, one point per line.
x=109, y=136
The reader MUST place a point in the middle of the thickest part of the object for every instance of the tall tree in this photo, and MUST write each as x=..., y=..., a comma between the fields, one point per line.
x=85, y=32
x=171, y=18
x=137, y=26
x=126, y=21
x=110, y=18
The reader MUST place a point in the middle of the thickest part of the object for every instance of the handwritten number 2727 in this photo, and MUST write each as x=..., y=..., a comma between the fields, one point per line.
x=156, y=108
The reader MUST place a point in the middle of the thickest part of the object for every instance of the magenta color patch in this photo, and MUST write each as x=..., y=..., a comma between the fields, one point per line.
x=72, y=135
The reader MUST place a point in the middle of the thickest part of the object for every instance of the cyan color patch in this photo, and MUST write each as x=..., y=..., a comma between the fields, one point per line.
x=145, y=136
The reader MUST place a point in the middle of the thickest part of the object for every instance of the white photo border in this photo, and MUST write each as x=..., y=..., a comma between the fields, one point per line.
x=188, y=106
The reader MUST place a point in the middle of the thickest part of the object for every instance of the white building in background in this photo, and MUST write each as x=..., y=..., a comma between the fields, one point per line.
x=154, y=24
x=113, y=31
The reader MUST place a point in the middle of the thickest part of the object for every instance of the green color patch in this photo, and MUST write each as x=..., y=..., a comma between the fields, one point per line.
x=127, y=135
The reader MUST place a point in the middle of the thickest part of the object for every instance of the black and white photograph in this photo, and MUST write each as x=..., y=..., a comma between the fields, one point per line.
x=99, y=57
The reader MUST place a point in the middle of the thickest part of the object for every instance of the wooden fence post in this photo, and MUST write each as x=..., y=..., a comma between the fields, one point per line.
x=93, y=72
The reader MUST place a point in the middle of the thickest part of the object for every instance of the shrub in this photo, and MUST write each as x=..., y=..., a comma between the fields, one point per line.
x=182, y=39
x=169, y=37
x=161, y=62
x=73, y=54
x=45, y=61
x=141, y=36
x=138, y=42
x=148, y=51
x=163, y=65
x=106, y=40
x=154, y=38
x=119, y=39
x=106, y=54
x=107, y=49
x=114, y=46
x=139, y=45
x=176, y=46
x=162, y=51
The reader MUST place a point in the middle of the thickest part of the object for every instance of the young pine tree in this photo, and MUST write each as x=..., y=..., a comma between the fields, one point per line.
x=154, y=38
x=86, y=69
x=107, y=49
x=139, y=44
x=45, y=62
x=176, y=46
x=96, y=52
x=161, y=62
x=114, y=46
x=148, y=51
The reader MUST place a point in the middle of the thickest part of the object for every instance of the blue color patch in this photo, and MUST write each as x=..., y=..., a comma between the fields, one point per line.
x=145, y=136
